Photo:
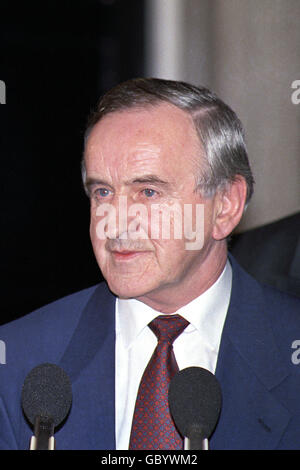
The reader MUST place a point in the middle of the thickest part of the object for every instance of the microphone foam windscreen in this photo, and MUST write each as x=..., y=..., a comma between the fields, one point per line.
x=47, y=392
x=195, y=401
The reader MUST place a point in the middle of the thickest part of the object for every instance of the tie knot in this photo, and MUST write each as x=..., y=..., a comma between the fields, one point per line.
x=168, y=327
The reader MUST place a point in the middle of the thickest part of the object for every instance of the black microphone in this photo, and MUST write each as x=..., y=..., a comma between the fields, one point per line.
x=195, y=401
x=46, y=401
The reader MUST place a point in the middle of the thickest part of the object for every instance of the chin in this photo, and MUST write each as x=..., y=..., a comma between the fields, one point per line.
x=125, y=292
x=128, y=290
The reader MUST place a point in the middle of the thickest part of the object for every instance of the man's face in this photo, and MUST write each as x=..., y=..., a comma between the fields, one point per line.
x=137, y=159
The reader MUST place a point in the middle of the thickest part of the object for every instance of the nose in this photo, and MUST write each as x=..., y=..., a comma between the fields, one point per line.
x=119, y=229
x=121, y=219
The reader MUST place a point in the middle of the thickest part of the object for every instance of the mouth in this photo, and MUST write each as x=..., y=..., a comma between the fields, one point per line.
x=125, y=255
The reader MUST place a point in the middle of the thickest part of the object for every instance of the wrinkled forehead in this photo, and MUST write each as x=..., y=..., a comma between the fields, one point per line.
x=163, y=129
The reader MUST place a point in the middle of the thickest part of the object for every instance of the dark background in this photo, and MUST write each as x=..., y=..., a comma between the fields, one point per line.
x=56, y=58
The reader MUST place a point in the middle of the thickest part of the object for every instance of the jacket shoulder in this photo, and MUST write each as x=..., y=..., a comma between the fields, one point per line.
x=45, y=331
x=263, y=310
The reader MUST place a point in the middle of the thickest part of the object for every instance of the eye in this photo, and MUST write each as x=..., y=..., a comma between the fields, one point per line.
x=102, y=192
x=148, y=192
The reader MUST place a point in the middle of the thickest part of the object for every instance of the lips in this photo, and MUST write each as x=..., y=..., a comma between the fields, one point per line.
x=126, y=255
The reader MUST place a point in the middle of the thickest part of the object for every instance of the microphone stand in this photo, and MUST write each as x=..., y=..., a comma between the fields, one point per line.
x=195, y=443
x=194, y=439
x=43, y=438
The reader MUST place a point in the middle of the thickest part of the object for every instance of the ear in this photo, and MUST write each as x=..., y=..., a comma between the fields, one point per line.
x=229, y=207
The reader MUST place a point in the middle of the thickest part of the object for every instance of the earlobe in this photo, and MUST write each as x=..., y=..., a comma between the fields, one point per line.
x=230, y=204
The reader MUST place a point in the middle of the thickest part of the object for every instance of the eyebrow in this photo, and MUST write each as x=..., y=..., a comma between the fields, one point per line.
x=90, y=182
x=95, y=181
x=151, y=179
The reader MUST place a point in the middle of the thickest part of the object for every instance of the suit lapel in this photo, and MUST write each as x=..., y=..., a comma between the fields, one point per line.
x=89, y=361
x=96, y=324
x=249, y=367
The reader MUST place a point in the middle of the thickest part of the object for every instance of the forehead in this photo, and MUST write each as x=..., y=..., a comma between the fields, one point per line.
x=162, y=131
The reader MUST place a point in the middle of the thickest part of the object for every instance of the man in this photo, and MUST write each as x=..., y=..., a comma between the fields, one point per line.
x=167, y=174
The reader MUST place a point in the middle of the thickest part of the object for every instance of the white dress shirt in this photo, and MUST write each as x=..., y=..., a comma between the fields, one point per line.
x=198, y=345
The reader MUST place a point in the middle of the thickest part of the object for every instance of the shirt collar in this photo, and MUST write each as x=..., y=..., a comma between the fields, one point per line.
x=205, y=313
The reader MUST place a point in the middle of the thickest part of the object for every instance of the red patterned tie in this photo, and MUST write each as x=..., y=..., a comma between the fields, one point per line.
x=152, y=425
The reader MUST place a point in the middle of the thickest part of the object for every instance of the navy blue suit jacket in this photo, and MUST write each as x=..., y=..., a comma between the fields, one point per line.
x=260, y=382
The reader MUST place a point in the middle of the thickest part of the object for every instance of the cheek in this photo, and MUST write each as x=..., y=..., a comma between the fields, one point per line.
x=170, y=255
x=185, y=224
x=93, y=227
x=165, y=221
x=97, y=243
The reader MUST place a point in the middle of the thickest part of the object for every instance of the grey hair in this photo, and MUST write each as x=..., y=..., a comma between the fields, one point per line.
x=219, y=129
